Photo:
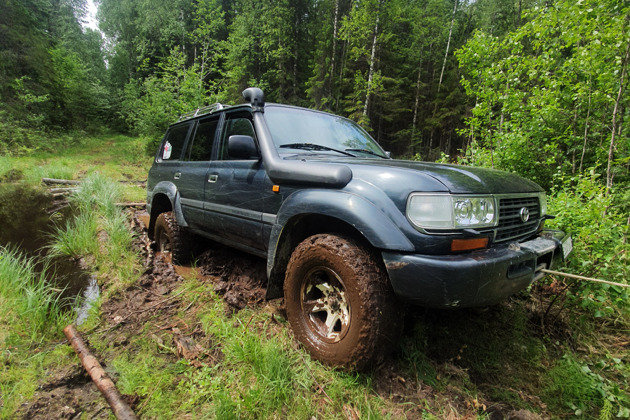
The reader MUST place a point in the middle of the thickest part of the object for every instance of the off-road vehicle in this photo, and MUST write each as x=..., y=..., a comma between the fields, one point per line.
x=347, y=232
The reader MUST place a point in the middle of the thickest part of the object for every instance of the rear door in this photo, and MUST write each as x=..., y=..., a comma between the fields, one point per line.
x=193, y=173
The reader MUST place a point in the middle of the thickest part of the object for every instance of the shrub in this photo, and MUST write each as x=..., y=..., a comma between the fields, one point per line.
x=599, y=227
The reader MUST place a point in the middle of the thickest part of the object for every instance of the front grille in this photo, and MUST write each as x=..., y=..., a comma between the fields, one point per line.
x=511, y=227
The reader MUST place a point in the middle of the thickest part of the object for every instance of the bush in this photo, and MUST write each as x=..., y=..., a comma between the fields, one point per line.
x=599, y=227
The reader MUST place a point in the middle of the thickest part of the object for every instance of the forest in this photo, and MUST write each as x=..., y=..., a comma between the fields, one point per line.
x=534, y=87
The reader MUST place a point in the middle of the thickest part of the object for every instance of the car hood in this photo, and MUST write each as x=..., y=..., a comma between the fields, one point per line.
x=456, y=179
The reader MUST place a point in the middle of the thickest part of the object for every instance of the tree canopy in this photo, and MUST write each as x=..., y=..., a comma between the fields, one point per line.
x=535, y=87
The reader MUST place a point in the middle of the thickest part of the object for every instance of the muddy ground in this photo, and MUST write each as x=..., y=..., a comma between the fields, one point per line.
x=69, y=393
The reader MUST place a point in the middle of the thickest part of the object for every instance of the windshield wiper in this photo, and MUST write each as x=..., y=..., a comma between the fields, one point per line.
x=311, y=146
x=369, y=152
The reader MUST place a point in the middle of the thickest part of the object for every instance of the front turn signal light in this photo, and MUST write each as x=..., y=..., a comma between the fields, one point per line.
x=468, y=244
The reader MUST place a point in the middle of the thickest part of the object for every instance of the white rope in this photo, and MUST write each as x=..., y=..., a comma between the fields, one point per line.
x=575, y=276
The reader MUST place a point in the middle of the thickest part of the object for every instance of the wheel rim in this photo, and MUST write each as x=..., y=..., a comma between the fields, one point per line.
x=165, y=242
x=325, y=305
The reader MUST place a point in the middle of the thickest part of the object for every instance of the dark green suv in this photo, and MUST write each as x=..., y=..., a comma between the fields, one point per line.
x=347, y=232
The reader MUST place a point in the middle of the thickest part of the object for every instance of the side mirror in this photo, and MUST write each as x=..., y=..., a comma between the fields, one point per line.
x=242, y=147
x=388, y=154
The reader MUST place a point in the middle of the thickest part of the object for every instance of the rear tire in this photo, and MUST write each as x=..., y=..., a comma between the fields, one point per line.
x=172, y=238
x=339, y=302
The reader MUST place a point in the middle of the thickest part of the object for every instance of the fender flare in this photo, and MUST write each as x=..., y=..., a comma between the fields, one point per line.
x=373, y=224
x=170, y=191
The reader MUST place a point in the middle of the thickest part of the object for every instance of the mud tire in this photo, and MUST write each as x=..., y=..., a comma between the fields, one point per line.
x=329, y=271
x=170, y=237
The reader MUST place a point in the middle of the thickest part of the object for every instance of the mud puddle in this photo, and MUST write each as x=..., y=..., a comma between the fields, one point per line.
x=29, y=216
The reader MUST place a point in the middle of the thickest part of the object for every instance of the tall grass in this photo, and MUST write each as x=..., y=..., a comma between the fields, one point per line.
x=99, y=229
x=97, y=193
x=76, y=237
x=95, y=201
x=28, y=302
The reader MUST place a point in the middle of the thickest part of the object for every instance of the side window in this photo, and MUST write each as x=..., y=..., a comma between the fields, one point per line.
x=200, y=149
x=174, y=143
x=235, y=124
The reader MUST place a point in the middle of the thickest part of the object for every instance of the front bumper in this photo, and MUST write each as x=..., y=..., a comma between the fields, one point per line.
x=477, y=278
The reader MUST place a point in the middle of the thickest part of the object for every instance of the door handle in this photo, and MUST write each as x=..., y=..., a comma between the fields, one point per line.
x=177, y=175
x=213, y=178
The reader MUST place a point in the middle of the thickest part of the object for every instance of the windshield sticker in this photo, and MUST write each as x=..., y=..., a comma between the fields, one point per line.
x=167, y=151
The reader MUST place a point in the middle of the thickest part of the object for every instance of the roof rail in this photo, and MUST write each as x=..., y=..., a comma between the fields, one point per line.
x=201, y=111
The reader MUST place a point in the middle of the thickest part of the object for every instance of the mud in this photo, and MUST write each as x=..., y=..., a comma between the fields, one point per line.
x=67, y=394
x=239, y=278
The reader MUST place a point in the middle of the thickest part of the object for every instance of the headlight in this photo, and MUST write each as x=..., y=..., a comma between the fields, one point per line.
x=443, y=211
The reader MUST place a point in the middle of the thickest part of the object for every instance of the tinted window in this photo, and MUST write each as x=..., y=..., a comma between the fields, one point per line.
x=236, y=123
x=200, y=149
x=174, y=143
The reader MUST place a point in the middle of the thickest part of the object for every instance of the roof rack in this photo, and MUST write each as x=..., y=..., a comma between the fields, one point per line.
x=201, y=111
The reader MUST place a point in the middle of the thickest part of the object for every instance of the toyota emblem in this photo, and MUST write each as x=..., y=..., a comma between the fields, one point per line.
x=524, y=214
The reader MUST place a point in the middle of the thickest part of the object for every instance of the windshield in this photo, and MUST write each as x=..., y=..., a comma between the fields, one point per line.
x=304, y=131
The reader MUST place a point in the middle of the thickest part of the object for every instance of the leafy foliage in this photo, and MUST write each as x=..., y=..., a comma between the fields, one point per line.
x=581, y=389
x=546, y=93
x=600, y=235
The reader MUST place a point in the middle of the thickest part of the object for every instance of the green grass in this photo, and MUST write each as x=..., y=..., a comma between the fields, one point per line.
x=116, y=157
x=31, y=318
x=259, y=373
x=27, y=299
x=75, y=238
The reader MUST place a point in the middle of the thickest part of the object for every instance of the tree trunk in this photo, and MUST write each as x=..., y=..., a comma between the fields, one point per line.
x=342, y=68
x=331, y=78
x=372, y=64
x=588, y=115
x=448, y=44
x=613, y=135
x=415, y=111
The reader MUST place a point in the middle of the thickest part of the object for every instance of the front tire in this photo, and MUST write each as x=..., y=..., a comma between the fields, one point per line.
x=339, y=302
x=172, y=238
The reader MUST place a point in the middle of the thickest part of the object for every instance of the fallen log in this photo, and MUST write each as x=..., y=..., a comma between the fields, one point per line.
x=121, y=410
x=61, y=190
x=53, y=181
x=137, y=181
x=136, y=204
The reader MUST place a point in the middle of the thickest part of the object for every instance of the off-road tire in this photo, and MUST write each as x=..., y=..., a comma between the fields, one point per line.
x=327, y=273
x=171, y=237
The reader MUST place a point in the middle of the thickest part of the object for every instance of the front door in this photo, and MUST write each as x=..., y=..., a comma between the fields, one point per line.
x=238, y=191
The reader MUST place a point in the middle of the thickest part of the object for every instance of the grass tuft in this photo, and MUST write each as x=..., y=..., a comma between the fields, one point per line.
x=27, y=298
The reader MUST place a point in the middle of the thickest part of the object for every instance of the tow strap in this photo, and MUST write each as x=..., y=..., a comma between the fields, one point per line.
x=575, y=276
